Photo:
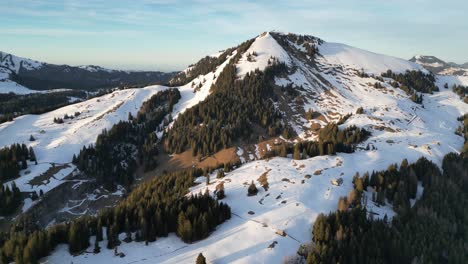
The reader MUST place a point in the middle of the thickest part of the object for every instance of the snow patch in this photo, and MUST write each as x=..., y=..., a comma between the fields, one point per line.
x=265, y=47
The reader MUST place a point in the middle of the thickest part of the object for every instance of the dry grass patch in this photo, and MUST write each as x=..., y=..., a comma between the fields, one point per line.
x=263, y=180
x=44, y=178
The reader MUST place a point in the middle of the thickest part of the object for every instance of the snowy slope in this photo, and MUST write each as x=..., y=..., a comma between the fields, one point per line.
x=15, y=63
x=428, y=61
x=56, y=143
x=454, y=71
x=451, y=80
x=373, y=63
x=265, y=47
x=245, y=238
x=93, y=68
x=191, y=96
x=331, y=86
x=8, y=86
x=438, y=66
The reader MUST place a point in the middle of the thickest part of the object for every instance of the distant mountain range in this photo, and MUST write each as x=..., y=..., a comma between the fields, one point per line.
x=438, y=66
x=17, y=73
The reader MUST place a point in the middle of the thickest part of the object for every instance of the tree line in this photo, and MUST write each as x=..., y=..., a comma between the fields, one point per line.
x=12, y=105
x=152, y=210
x=13, y=159
x=330, y=141
x=431, y=231
x=463, y=130
x=228, y=114
x=208, y=64
x=308, y=42
x=461, y=91
x=118, y=152
x=413, y=82
x=10, y=198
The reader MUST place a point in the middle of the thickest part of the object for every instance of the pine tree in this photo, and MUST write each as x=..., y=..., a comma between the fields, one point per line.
x=34, y=196
x=128, y=234
x=252, y=190
x=297, y=152
x=31, y=138
x=342, y=204
x=220, y=193
x=97, y=248
x=32, y=155
x=412, y=184
x=201, y=259
x=283, y=152
x=304, y=153
x=24, y=164
x=321, y=229
x=99, y=236
x=380, y=199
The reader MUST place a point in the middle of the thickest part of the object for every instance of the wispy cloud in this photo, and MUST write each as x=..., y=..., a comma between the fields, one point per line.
x=50, y=32
x=167, y=23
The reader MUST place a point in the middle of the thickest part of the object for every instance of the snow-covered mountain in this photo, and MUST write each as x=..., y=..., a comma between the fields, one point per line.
x=330, y=80
x=16, y=63
x=21, y=75
x=438, y=66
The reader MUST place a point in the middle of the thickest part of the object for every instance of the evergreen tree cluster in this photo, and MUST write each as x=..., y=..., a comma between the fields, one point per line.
x=13, y=159
x=60, y=120
x=118, y=151
x=228, y=113
x=413, y=82
x=12, y=105
x=331, y=140
x=29, y=248
x=308, y=42
x=153, y=209
x=208, y=64
x=432, y=231
x=398, y=185
x=463, y=131
x=10, y=198
x=462, y=91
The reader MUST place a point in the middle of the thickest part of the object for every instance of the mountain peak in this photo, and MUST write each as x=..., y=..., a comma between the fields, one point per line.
x=431, y=61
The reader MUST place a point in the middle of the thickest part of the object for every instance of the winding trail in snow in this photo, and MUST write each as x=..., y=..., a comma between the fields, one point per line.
x=265, y=225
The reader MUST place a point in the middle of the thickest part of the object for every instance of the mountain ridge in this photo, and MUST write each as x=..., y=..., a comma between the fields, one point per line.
x=20, y=74
x=438, y=66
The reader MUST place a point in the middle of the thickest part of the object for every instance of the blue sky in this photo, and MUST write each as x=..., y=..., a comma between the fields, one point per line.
x=170, y=34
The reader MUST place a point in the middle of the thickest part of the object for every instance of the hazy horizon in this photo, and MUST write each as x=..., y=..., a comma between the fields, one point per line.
x=169, y=35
